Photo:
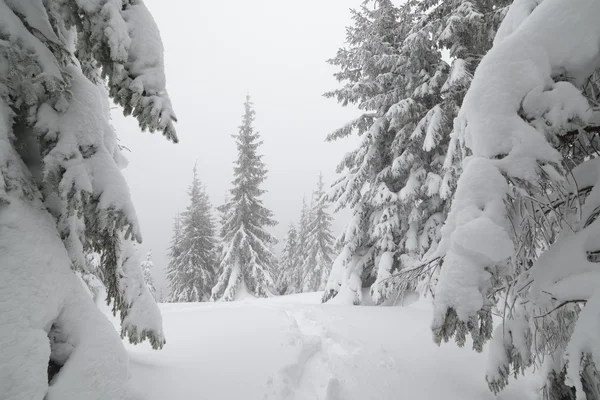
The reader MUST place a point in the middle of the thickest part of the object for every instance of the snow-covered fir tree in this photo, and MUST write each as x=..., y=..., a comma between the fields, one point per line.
x=247, y=261
x=175, y=247
x=297, y=253
x=393, y=181
x=302, y=247
x=316, y=264
x=522, y=234
x=62, y=194
x=147, y=267
x=289, y=267
x=160, y=296
x=191, y=270
x=465, y=29
x=221, y=244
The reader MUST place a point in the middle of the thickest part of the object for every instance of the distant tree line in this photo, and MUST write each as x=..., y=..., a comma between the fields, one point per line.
x=205, y=266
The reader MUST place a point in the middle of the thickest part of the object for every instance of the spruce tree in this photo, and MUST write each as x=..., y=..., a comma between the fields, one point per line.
x=319, y=243
x=247, y=260
x=400, y=180
x=192, y=270
x=392, y=180
x=221, y=245
x=147, y=267
x=63, y=196
x=302, y=247
x=466, y=30
x=161, y=298
x=175, y=247
x=289, y=266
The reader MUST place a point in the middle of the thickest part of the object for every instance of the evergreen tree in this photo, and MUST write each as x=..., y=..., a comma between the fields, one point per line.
x=401, y=178
x=221, y=245
x=466, y=29
x=392, y=181
x=192, y=269
x=289, y=267
x=319, y=243
x=302, y=247
x=247, y=261
x=174, y=274
x=63, y=196
x=161, y=298
x=147, y=267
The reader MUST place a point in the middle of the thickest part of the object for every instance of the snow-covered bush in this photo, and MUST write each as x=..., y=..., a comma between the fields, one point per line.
x=62, y=195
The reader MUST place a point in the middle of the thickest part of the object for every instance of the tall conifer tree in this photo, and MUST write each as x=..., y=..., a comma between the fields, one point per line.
x=316, y=265
x=302, y=247
x=392, y=180
x=247, y=258
x=192, y=270
x=289, y=266
x=399, y=181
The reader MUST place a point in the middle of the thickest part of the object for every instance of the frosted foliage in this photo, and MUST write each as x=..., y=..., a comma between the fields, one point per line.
x=14, y=31
x=127, y=32
x=302, y=249
x=93, y=358
x=81, y=127
x=410, y=97
x=60, y=176
x=147, y=267
x=509, y=352
x=289, y=277
x=392, y=181
x=505, y=237
x=318, y=244
x=247, y=259
x=193, y=258
x=384, y=274
x=567, y=272
x=492, y=127
x=142, y=319
x=145, y=55
x=465, y=29
x=35, y=15
x=552, y=304
x=572, y=249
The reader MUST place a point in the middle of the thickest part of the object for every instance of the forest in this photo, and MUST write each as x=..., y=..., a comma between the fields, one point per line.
x=456, y=241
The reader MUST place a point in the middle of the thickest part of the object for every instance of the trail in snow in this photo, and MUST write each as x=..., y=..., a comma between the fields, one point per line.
x=314, y=373
x=292, y=348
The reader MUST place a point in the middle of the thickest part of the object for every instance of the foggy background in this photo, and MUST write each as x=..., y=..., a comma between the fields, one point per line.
x=215, y=53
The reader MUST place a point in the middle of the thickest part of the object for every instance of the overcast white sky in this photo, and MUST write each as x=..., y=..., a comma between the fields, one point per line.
x=215, y=53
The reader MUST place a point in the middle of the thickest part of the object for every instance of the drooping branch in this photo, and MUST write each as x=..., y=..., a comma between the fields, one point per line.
x=559, y=306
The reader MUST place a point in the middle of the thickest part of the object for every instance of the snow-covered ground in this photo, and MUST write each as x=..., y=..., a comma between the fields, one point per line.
x=294, y=348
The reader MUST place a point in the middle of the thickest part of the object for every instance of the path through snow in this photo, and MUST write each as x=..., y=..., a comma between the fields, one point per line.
x=315, y=372
x=292, y=348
